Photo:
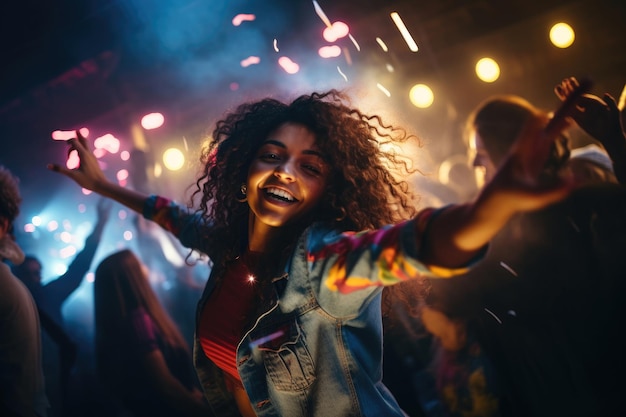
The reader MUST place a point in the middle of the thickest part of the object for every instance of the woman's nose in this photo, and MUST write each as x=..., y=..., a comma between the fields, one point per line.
x=285, y=172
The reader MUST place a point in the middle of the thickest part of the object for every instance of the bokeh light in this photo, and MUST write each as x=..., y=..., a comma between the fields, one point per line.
x=152, y=121
x=336, y=31
x=487, y=70
x=173, y=159
x=421, y=96
x=562, y=35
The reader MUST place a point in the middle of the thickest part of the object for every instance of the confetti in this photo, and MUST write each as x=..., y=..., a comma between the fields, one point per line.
x=508, y=268
x=321, y=14
x=342, y=74
x=382, y=44
x=383, y=89
x=266, y=339
x=493, y=315
x=288, y=65
x=240, y=18
x=404, y=31
x=251, y=60
x=356, y=45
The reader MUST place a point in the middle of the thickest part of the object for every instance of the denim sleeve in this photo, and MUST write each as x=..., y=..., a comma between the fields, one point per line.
x=187, y=226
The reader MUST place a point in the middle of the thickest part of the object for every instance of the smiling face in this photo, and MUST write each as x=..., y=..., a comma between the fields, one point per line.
x=286, y=180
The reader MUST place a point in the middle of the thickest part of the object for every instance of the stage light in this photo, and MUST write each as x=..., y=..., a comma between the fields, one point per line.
x=173, y=159
x=421, y=96
x=562, y=35
x=487, y=70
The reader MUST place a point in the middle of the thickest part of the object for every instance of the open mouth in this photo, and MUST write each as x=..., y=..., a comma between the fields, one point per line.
x=280, y=195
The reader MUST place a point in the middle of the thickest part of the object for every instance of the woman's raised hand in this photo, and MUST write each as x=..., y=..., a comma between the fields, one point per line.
x=88, y=174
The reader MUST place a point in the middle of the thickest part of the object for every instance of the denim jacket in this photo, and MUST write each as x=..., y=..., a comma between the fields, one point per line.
x=316, y=348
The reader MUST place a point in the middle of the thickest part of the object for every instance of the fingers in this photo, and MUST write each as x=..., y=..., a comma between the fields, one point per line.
x=60, y=169
x=81, y=139
x=610, y=103
x=566, y=86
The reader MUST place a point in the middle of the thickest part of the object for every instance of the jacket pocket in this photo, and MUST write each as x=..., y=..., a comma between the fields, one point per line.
x=286, y=357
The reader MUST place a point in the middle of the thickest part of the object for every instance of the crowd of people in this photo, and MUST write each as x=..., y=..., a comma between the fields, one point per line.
x=331, y=293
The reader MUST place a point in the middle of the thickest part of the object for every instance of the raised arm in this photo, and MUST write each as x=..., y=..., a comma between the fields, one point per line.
x=176, y=219
x=67, y=283
x=601, y=119
x=89, y=175
x=459, y=233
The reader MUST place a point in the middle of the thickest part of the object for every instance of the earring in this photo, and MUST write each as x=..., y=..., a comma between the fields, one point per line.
x=243, y=190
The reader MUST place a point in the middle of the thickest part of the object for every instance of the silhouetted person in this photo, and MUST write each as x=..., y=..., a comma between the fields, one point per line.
x=22, y=392
x=60, y=351
x=142, y=357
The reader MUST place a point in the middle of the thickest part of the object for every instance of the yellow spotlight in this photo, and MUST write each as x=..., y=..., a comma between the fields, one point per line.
x=421, y=96
x=487, y=70
x=562, y=35
x=173, y=159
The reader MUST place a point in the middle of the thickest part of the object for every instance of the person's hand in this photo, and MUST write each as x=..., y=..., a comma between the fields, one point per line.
x=88, y=174
x=520, y=183
x=599, y=117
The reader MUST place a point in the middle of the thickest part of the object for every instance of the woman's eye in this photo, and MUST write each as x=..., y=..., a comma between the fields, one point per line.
x=313, y=168
x=269, y=156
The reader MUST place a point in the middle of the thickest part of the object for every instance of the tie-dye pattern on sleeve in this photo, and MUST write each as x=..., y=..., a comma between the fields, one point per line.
x=166, y=214
x=384, y=251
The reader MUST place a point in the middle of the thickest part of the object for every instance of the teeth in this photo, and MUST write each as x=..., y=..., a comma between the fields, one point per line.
x=280, y=193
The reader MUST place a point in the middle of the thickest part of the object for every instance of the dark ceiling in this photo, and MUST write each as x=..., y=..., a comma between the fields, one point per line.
x=71, y=63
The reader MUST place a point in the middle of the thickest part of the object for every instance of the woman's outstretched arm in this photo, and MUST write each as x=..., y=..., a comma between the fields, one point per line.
x=460, y=232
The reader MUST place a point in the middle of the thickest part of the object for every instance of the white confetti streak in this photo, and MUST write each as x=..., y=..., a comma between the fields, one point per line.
x=383, y=89
x=404, y=31
x=321, y=14
x=356, y=44
x=493, y=315
x=508, y=268
x=342, y=74
x=382, y=44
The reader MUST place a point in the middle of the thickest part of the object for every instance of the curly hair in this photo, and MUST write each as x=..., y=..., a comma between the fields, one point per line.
x=10, y=198
x=363, y=192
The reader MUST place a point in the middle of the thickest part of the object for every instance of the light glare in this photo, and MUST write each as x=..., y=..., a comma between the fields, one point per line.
x=421, y=96
x=487, y=70
x=562, y=35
